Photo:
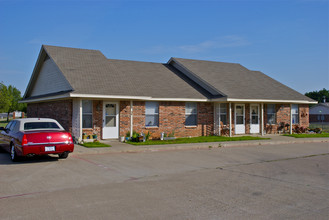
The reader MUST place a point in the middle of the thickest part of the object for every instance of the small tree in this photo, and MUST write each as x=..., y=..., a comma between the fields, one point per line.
x=318, y=95
x=9, y=98
x=4, y=100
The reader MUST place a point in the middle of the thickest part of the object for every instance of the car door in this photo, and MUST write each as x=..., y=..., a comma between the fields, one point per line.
x=4, y=136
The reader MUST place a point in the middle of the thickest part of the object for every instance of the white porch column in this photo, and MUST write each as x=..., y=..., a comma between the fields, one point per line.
x=80, y=118
x=290, y=119
x=262, y=118
x=230, y=118
x=131, y=118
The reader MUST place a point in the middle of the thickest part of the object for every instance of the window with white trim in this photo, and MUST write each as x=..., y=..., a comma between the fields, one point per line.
x=151, y=114
x=294, y=114
x=87, y=113
x=223, y=113
x=271, y=114
x=191, y=114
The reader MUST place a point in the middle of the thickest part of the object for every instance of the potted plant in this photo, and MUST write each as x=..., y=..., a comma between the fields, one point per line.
x=122, y=138
x=127, y=136
x=170, y=136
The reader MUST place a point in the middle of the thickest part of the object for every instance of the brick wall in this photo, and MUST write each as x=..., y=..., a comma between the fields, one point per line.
x=283, y=115
x=171, y=119
x=58, y=110
x=304, y=115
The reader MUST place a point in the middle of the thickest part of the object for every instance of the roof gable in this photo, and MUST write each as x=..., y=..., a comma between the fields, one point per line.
x=47, y=78
x=238, y=82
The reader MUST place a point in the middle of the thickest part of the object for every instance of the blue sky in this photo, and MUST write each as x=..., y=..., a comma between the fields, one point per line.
x=286, y=39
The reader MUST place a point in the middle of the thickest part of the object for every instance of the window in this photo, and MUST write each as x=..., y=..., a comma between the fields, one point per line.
x=254, y=114
x=40, y=125
x=11, y=125
x=151, y=114
x=191, y=114
x=294, y=114
x=223, y=113
x=16, y=128
x=271, y=114
x=87, y=114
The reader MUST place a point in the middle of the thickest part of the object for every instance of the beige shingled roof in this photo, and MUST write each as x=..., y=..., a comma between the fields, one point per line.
x=238, y=82
x=90, y=72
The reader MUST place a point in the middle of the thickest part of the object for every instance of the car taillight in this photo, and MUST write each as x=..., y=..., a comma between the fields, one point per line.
x=68, y=138
x=24, y=140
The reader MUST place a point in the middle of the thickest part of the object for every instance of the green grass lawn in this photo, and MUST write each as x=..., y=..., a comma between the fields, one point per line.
x=322, y=135
x=3, y=123
x=95, y=145
x=197, y=140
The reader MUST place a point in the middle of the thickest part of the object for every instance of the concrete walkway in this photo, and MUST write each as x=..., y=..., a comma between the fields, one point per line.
x=118, y=147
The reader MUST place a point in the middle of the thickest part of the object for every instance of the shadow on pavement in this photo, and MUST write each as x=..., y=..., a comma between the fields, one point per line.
x=5, y=159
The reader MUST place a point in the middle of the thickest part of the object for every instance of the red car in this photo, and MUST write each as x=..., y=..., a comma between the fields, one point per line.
x=35, y=136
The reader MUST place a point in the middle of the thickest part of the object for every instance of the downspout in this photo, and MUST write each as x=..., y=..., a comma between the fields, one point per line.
x=131, y=118
x=230, y=112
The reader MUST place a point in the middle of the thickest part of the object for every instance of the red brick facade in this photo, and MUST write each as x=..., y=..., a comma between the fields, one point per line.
x=58, y=110
x=171, y=117
x=283, y=116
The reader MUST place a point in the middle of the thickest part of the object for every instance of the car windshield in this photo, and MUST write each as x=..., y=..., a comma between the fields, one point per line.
x=40, y=125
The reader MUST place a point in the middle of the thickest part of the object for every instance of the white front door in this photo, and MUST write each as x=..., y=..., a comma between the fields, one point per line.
x=239, y=119
x=110, y=120
x=254, y=118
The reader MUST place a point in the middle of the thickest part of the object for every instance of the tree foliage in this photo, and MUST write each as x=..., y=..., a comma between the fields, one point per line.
x=318, y=95
x=9, y=98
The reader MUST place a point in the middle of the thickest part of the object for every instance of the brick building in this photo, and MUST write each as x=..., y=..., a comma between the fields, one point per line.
x=88, y=93
x=320, y=113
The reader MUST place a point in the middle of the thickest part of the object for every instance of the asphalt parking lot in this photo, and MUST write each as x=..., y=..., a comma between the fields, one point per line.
x=252, y=182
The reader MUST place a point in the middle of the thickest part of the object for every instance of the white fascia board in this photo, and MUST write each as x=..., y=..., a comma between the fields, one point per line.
x=135, y=98
x=270, y=101
x=74, y=95
x=45, y=98
x=179, y=99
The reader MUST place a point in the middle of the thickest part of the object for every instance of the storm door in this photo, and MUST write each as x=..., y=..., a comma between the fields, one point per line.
x=240, y=127
x=110, y=120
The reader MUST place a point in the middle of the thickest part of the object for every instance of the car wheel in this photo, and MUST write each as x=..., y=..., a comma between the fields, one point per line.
x=13, y=154
x=63, y=155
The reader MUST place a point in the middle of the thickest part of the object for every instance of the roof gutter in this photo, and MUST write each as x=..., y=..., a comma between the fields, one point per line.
x=149, y=98
x=224, y=99
x=74, y=95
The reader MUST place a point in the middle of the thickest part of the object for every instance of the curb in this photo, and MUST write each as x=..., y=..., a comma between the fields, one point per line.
x=194, y=146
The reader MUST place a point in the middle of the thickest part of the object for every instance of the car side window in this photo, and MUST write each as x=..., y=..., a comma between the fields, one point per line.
x=9, y=124
x=15, y=127
x=12, y=125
